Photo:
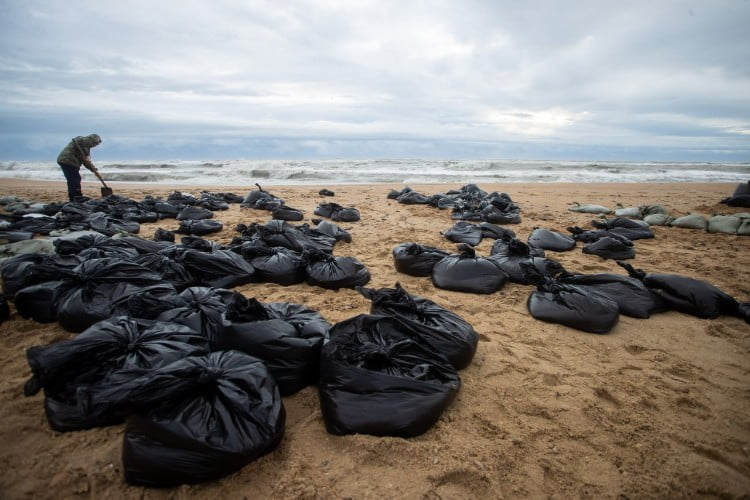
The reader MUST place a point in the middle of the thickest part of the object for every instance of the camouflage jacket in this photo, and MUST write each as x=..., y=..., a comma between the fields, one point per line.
x=77, y=156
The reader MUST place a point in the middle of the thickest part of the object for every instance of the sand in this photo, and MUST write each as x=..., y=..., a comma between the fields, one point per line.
x=656, y=408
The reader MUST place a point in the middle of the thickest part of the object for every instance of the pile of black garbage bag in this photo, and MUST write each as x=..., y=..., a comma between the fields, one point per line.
x=199, y=384
x=114, y=214
x=467, y=203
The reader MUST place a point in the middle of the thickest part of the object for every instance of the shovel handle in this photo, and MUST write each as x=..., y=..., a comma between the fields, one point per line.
x=96, y=173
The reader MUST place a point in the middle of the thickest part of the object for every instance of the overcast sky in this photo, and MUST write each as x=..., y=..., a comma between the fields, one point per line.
x=219, y=79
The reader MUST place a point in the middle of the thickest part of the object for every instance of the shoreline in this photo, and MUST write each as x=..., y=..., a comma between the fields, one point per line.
x=658, y=407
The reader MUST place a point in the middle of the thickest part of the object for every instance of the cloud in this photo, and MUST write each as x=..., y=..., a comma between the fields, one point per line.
x=407, y=76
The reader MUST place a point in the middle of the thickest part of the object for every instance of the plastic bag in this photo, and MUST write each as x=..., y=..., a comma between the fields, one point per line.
x=276, y=264
x=218, y=269
x=465, y=272
x=103, y=356
x=577, y=307
x=194, y=213
x=290, y=349
x=378, y=378
x=202, y=310
x=611, y=247
x=445, y=331
x=687, y=295
x=631, y=295
x=331, y=272
x=464, y=232
x=197, y=419
x=415, y=259
x=631, y=229
x=550, y=240
x=508, y=255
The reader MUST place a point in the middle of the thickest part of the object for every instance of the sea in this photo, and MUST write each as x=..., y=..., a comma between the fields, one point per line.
x=396, y=171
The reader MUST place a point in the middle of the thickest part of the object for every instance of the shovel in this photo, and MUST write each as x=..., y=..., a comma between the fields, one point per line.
x=106, y=190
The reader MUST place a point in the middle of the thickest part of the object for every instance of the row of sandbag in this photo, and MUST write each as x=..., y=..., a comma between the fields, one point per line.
x=572, y=299
x=200, y=386
x=656, y=215
x=470, y=202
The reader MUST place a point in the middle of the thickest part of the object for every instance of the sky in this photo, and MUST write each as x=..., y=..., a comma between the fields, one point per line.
x=320, y=79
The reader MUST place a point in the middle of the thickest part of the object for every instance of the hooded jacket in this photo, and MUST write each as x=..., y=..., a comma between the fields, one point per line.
x=77, y=156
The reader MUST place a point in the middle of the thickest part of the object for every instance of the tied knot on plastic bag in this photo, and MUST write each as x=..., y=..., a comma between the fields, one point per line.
x=209, y=375
x=638, y=274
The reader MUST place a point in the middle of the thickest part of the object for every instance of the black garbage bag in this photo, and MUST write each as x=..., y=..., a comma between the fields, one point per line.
x=331, y=272
x=591, y=236
x=283, y=212
x=38, y=225
x=500, y=215
x=166, y=210
x=194, y=242
x=551, y=240
x=212, y=202
x=276, y=264
x=140, y=245
x=4, y=309
x=415, y=259
x=110, y=226
x=464, y=232
x=336, y=212
x=31, y=269
x=40, y=302
x=333, y=230
x=101, y=357
x=203, y=310
x=465, y=272
x=493, y=231
x=611, y=247
x=393, y=194
x=179, y=198
x=326, y=192
x=162, y=234
x=261, y=200
x=737, y=200
x=742, y=188
x=290, y=351
x=218, y=269
x=149, y=302
x=200, y=227
x=684, y=294
x=73, y=246
x=169, y=269
x=195, y=420
x=445, y=331
x=377, y=377
x=134, y=213
x=631, y=229
x=744, y=311
x=192, y=212
x=577, y=307
x=101, y=288
x=510, y=254
x=412, y=198
x=14, y=236
x=278, y=233
x=631, y=295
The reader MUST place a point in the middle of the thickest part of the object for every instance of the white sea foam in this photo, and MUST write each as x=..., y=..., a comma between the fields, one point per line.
x=414, y=171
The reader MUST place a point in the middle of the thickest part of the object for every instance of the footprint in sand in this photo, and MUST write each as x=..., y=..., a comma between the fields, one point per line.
x=635, y=349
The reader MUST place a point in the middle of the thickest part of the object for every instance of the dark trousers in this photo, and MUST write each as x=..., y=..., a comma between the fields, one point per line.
x=73, y=176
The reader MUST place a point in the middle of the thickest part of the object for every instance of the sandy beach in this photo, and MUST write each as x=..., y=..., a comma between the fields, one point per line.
x=657, y=408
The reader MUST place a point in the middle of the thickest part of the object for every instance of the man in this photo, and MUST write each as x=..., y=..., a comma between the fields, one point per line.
x=70, y=159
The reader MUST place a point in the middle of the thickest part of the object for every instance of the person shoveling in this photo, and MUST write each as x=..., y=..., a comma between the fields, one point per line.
x=76, y=153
